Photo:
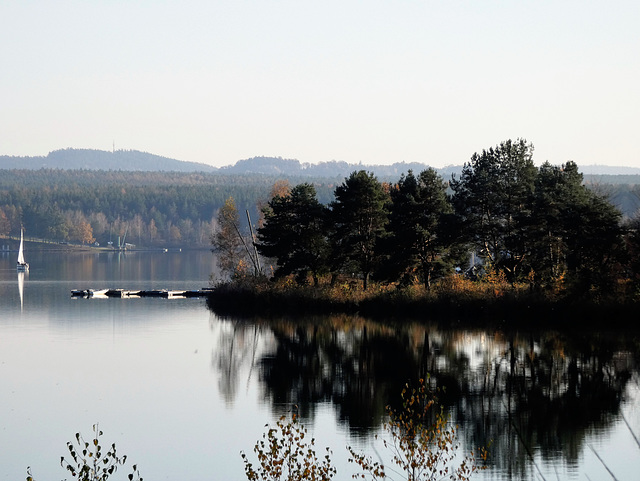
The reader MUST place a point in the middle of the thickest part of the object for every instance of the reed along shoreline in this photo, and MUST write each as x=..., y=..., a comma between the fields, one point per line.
x=515, y=308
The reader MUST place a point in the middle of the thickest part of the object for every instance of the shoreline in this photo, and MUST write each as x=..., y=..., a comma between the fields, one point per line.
x=446, y=307
x=43, y=245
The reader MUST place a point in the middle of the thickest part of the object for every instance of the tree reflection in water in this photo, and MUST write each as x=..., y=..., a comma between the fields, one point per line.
x=525, y=392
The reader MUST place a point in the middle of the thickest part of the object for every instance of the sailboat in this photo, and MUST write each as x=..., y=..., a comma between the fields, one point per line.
x=22, y=266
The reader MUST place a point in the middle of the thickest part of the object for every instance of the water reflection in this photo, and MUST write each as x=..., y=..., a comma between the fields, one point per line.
x=537, y=392
x=533, y=395
x=21, y=276
x=237, y=346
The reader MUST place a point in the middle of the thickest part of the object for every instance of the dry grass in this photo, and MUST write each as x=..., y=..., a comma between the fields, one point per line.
x=450, y=299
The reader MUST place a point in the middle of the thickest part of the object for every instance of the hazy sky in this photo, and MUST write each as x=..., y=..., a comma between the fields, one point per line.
x=371, y=81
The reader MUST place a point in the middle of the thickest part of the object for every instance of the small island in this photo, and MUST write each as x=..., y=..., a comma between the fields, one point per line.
x=504, y=240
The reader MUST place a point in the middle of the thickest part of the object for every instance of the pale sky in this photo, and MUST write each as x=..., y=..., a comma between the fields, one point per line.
x=370, y=81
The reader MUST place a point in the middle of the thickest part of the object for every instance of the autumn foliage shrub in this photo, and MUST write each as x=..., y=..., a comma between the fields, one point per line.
x=89, y=462
x=421, y=442
x=285, y=454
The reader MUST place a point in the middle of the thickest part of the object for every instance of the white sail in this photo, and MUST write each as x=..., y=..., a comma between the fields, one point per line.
x=21, y=250
x=22, y=265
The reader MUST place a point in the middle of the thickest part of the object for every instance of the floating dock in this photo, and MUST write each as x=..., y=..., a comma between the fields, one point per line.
x=124, y=293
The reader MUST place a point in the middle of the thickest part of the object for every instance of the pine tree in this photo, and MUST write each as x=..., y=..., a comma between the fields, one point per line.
x=293, y=234
x=493, y=199
x=418, y=219
x=359, y=217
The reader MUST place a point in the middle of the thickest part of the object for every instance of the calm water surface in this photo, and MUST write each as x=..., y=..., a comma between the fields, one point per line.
x=182, y=391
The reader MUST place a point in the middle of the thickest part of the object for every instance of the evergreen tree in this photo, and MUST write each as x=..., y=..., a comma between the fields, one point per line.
x=293, y=234
x=632, y=251
x=558, y=192
x=575, y=232
x=417, y=225
x=493, y=198
x=359, y=217
x=594, y=244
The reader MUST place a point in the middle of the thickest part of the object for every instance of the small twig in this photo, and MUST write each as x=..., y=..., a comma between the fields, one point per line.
x=246, y=248
x=603, y=463
x=524, y=444
x=630, y=430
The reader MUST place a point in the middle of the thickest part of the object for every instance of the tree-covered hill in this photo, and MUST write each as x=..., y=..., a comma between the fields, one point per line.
x=136, y=161
x=155, y=208
x=91, y=159
x=332, y=169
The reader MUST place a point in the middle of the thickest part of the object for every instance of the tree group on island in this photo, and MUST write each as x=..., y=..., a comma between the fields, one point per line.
x=502, y=218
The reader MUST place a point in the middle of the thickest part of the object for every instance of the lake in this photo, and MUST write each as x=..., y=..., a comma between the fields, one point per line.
x=182, y=391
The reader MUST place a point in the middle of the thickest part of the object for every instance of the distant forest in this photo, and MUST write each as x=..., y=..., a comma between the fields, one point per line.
x=173, y=208
x=151, y=208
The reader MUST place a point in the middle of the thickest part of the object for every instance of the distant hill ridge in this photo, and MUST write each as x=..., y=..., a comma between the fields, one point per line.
x=134, y=160
x=330, y=169
x=90, y=159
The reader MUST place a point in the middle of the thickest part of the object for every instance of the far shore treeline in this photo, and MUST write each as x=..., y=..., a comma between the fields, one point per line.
x=179, y=208
x=503, y=226
x=153, y=209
